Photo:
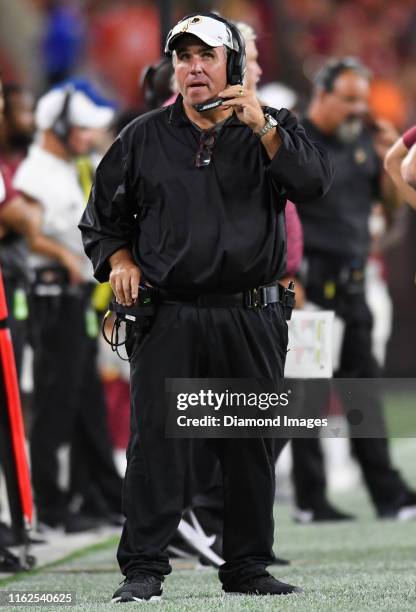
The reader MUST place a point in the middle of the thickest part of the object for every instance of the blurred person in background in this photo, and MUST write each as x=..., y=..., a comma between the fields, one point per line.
x=399, y=248
x=337, y=244
x=17, y=221
x=16, y=133
x=68, y=402
x=63, y=41
x=157, y=84
x=400, y=163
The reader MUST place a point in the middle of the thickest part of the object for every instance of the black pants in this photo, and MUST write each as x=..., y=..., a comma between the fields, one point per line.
x=93, y=473
x=185, y=342
x=357, y=361
x=68, y=406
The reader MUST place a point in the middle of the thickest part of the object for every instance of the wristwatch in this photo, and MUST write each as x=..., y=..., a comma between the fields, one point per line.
x=270, y=124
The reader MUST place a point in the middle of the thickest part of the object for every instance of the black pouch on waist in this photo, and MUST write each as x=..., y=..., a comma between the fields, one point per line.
x=289, y=300
x=140, y=313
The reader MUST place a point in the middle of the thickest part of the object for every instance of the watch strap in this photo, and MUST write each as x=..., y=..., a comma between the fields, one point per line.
x=270, y=124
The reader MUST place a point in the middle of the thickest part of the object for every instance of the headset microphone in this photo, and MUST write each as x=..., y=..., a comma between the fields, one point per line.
x=209, y=105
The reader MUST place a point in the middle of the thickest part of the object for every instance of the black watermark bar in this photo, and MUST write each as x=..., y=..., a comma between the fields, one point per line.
x=263, y=408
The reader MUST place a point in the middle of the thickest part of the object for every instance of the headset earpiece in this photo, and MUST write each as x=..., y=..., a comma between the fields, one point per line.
x=236, y=61
x=61, y=125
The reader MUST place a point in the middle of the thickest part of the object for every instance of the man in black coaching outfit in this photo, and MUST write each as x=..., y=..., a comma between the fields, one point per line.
x=191, y=203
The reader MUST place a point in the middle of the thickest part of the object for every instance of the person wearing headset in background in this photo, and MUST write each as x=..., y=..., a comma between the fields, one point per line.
x=67, y=400
x=337, y=245
x=168, y=208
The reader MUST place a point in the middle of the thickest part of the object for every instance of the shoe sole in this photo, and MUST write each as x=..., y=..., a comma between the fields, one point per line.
x=138, y=599
x=407, y=513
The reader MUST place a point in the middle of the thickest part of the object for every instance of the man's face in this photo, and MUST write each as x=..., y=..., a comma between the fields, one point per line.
x=20, y=118
x=81, y=140
x=347, y=103
x=253, y=70
x=200, y=70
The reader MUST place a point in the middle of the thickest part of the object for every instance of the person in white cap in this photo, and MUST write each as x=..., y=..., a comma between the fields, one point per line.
x=189, y=200
x=66, y=385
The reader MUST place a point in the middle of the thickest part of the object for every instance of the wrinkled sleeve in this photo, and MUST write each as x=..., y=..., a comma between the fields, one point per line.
x=108, y=222
x=300, y=170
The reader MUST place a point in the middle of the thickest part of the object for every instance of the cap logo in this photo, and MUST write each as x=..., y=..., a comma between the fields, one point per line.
x=189, y=22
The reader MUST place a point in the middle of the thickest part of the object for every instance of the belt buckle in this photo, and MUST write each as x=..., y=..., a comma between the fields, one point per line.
x=256, y=298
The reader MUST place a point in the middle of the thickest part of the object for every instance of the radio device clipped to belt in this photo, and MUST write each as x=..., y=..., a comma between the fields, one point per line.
x=139, y=316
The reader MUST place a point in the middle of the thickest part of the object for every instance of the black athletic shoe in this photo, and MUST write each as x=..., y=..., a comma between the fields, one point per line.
x=11, y=564
x=265, y=584
x=138, y=587
x=403, y=510
x=323, y=512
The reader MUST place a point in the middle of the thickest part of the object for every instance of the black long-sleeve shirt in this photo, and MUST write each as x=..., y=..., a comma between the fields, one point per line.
x=218, y=228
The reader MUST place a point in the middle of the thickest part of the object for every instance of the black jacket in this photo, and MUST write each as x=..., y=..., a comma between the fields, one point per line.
x=219, y=228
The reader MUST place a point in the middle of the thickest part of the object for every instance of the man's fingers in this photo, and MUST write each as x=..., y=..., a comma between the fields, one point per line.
x=134, y=286
x=126, y=283
x=233, y=91
x=125, y=287
x=118, y=290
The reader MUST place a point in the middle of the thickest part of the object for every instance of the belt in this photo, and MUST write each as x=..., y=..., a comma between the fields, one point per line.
x=259, y=297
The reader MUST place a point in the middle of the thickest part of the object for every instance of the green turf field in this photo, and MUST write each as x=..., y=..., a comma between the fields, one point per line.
x=360, y=566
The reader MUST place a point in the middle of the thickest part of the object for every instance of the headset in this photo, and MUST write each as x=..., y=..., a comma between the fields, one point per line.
x=328, y=74
x=61, y=126
x=236, y=57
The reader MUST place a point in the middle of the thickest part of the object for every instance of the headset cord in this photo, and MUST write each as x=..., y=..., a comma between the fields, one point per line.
x=113, y=341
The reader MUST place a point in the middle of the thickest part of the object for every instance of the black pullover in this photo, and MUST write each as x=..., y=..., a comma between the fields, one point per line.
x=215, y=229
